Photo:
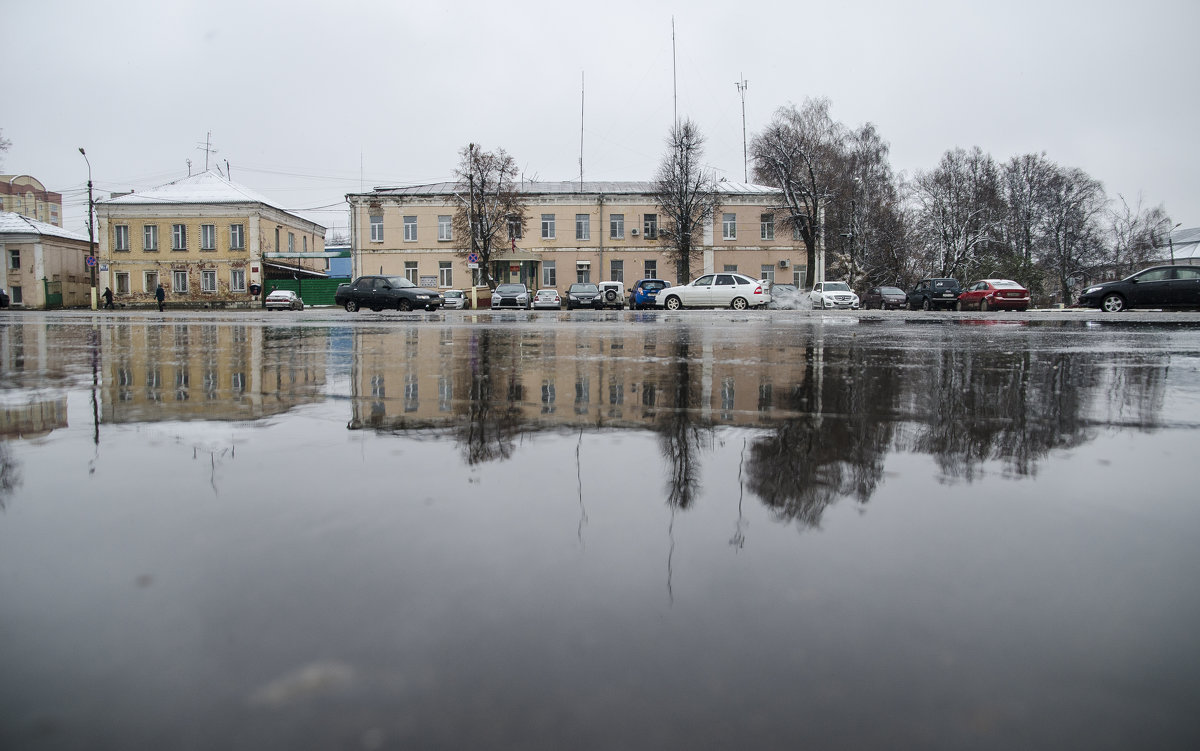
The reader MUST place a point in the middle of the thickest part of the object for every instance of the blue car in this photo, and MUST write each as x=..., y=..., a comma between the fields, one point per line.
x=644, y=293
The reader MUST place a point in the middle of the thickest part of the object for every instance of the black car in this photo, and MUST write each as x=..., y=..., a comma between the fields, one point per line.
x=391, y=292
x=884, y=298
x=3, y=299
x=1155, y=287
x=930, y=294
x=584, y=295
x=511, y=295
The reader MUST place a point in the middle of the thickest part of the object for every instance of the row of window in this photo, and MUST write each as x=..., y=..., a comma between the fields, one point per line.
x=179, y=237
x=179, y=281
x=583, y=230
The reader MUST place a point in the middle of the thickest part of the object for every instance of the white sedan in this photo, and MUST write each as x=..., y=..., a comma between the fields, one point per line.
x=726, y=290
x=284, y=299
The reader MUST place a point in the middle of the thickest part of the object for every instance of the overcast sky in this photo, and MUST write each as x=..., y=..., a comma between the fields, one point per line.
x=310, y=100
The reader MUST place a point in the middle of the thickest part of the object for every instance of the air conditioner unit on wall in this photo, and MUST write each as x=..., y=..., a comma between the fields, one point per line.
x=633, y=232
x=784, y=263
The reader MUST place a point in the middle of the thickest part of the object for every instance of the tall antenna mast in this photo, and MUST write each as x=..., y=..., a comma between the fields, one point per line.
x=581, y=93
x=207, y=149
x=674, y=85
x=742, y=85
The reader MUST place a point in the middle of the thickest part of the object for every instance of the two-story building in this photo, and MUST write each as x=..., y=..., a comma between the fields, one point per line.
x=43, y=265
x=572, y=231
x=204, y=238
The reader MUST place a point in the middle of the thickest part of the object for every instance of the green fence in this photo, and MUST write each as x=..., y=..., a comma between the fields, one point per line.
x=312, y=291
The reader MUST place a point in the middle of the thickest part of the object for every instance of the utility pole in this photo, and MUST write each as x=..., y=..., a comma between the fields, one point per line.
x=91, y=232
x=1170, y=240
x=742, y=85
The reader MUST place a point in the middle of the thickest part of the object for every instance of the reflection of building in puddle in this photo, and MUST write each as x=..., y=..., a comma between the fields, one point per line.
x=203, y=371
x=34, y=418
x=560, y=377
x=33, y=354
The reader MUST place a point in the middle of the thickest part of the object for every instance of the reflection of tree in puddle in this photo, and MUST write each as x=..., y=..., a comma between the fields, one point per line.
x=10, y=474
x=493, y=416
x=683, y=440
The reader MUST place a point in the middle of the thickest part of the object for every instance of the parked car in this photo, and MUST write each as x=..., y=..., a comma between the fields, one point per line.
x=884, y=298
x=612, y=294
x=379, y=292
x=993, y=294
x=3, y=299
x=933, y=293
x=583, y=295
x=455, y=299
x=547, y=299
x=784, y=297
x=1155, y=287
x=644, y=293
x=511, y=295
x=833, y=295
x=717, y=291
x=284, y=299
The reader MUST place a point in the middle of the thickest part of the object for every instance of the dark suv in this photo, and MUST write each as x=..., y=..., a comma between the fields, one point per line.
x=930, y=294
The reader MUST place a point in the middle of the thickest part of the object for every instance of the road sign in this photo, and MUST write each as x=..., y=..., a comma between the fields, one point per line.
x=473, y=258
x=91, y=261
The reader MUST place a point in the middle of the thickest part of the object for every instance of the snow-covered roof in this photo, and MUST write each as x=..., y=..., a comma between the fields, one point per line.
x=16, y=224
x=1186, y=244
x=568, y=188
x=204, y=188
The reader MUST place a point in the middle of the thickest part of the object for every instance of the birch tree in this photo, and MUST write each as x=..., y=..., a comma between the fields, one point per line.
x=687, y=194
x=488, y=201
x=1073, y=233
x=959, y=211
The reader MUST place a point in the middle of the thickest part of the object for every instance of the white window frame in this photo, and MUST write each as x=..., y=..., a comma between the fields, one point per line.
x=549, y=274
x=14, y=260
x=208, y=280
x=376, y=228
x=291, y=242
x=445, y=274
x=728, y=226
x=149, y=281
x=237, y=237
x=768, y=272
x=237, y=280
x=650, y=228
x=150, y=238
x=121, y=237
x=767, y=226
x=178, y=237
x=515, y=229
x=616, y=226
x=121, y=280
x=616, y=270
x=178, y=275
x=411, y=272
x=583, y=226
x=445, y=228
x=651, y=266
x=410, y=229
x=547, y=226
x=208, y=237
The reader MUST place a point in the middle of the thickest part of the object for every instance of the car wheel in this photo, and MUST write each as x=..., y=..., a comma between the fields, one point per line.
x=1112, y=303
x=925, y=304
x=404, y=305
x=672, y=303
x=983, y=305
x=739, y=303
x=351, y=306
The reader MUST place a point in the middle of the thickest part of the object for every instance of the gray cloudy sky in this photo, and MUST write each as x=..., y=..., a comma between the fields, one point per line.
x=311, y=100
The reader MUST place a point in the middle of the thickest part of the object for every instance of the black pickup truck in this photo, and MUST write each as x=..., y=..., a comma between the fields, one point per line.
x=391, y=292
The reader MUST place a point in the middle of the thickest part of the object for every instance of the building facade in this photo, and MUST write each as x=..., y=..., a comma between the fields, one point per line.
x=205, y=239
x=43, y=266
x=25, y=195
x=571, y=232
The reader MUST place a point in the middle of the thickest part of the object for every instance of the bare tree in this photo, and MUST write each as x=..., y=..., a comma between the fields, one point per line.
x=491, y=210
x=1135, y=232
x=5, y=144
x=801, y=153
x=687, y=195
x=958, y=208
x=1074, y=239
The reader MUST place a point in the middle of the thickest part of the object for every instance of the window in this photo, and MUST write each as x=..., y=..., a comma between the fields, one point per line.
x=768, y=272
x=410, y=229
x=237, y=280
x=514, y=228
x=651, y=270
x=122, y=282
x=616, y=226
x=583, y=226
x=650, y=226
x=445, y=274
x=547, y=226
x=616, y=271
x=410, y=271
x=549, y=275
x=291, y=242
x=208, y=237
x=178, y=237
x=179, y=282
x=149, y=281
x=304, y=243
x=150, y=238
x=767, y=226
x=237, y=237
x=121, y=237
x=208, y=280
x=377, y=228
x=729, y=226
x=583, y=273
x=14, y=259
x=445, y=231
x=16, y=298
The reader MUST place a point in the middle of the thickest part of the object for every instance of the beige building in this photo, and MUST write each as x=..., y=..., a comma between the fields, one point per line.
x=43, y=266
x=25, y=195
x=591, y=231
x=206, y=239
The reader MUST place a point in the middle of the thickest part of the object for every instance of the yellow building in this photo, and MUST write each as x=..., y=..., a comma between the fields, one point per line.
x=572, y=232
x=25, y=195
x=205, y=239
x=42, y=266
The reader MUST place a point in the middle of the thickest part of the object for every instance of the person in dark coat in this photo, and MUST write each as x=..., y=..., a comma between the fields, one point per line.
x=108, y=299
x=160, y=294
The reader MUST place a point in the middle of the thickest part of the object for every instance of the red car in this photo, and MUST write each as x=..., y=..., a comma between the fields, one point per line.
x=993, y=294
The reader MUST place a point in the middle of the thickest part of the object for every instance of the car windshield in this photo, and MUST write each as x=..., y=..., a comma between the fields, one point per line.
x=510, y=289
x=837, y=287
x=891, y=291
x=584, y=288
x=399, y=281
x=453, y=293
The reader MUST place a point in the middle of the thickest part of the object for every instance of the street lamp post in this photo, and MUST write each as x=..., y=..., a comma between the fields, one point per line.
x=91, y=235
x=1171, y=241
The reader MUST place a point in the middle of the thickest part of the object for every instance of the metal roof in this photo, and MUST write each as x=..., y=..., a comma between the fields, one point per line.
x=572, y=187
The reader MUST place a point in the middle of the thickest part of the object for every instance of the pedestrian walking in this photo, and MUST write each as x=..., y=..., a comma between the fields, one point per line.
x=108, y=299
x=160, y=294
